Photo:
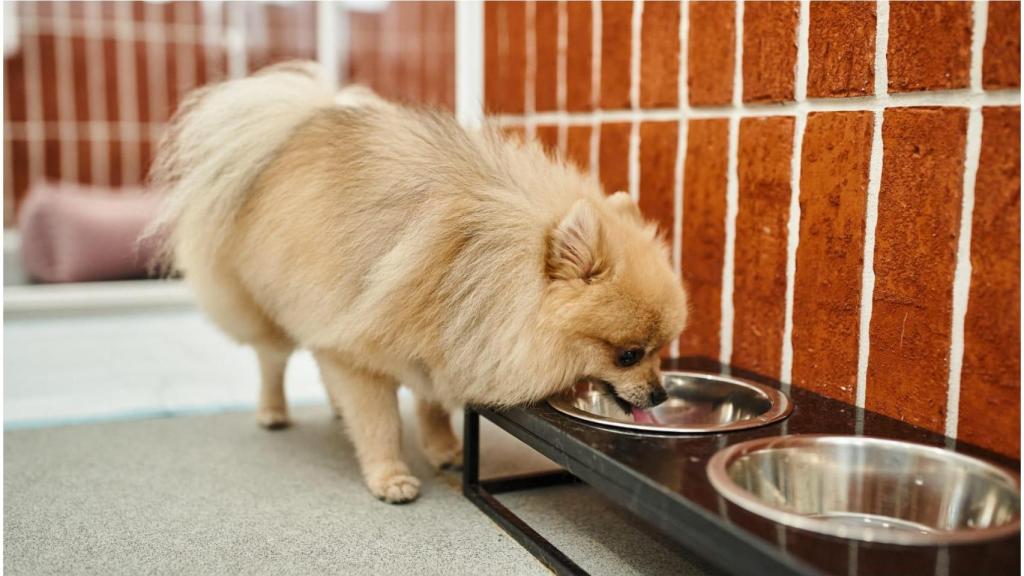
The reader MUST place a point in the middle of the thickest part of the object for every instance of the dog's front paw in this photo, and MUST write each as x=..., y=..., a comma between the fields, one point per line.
x=395, y=489
x=444, y=457
x=272, y=418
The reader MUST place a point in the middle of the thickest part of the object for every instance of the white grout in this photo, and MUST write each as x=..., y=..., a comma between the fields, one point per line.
x=881, y=48
x=793, y=223
x=595, y=88
x=127, y=98
x=952, y=98
x=962, y=272
x=680, y=163
x=867, y=286
x=634, y=100
x=185, y=59
x=530, y=80
x=732, y=197
x=980, y=18
x=867, y=290
x=65, y=92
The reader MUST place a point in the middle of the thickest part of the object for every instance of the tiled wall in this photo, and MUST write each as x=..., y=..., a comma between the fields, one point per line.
x=92, y=84
x=839, y=181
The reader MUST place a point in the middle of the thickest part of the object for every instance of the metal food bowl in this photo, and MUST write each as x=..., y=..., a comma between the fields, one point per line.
x=869, y=489
x=697, y=403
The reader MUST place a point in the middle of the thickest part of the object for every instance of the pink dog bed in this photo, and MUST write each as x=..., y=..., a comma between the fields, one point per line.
x=72, y=233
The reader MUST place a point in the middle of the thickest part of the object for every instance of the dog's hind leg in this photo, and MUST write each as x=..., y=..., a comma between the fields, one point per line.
x=232, y=308
x=369, y=404
x=273, y=354
x=440, y=445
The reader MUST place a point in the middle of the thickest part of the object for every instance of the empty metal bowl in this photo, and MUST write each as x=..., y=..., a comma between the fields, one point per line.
x=697, y=403
x=869, y=489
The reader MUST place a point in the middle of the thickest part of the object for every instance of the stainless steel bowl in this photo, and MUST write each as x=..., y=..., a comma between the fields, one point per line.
x=697, y=403
x=869, y=489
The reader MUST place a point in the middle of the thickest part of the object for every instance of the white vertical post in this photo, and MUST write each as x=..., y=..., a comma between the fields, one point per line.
x=327, y=41
x=469, y=62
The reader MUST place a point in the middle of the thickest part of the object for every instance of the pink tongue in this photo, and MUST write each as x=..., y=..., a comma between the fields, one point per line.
x=642, y=416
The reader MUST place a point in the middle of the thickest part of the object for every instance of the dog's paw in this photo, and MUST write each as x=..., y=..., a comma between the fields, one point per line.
x=396, y=489
x=272, y=419
x=444, y=457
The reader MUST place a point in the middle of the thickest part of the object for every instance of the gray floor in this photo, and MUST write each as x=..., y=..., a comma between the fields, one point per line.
x=216, y=495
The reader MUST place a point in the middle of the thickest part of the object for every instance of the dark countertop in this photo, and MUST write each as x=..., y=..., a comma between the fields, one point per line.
x=674, y=466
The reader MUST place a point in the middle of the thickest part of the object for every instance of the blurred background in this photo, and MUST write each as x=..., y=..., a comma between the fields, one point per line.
x=89, y=88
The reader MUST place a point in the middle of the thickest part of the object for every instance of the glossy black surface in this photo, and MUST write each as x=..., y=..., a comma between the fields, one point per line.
x=668, y=473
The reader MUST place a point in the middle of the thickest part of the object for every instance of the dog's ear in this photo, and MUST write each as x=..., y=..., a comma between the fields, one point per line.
x=575, y=250
x=623, y=203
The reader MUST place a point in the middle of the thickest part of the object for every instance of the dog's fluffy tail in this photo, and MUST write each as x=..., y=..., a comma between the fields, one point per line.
x=219, y=140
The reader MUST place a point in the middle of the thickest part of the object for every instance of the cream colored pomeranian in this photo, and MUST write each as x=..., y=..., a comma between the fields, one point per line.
x=405, y=250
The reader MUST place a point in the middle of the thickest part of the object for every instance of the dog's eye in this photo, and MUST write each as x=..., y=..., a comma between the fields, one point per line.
x=627, y=358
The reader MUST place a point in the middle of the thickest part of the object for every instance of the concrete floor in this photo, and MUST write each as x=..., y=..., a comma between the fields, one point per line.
x=214, y=494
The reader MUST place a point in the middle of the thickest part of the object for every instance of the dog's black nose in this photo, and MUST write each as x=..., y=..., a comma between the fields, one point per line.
x=658, y=395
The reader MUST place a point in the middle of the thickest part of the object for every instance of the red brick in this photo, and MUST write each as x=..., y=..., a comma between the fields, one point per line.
x=841, y=49
x=142, y=96
x=504, y=57
x=711, y=53
x=19, y=168
x=990, y=380
x=546, y=38
x=929, y=45
x=616, y=53
x=51, y=160
x=659, y=53
x=915, y=256
x=658, y=144
x=578, y=60
x=830, y=254
x=14, y=87
x=613, y=157
x=84, y=161
x=578, y=146
x=547, y=135
x=769, y=50
x=1001, y=62
x=759, y=296
x=703, y=238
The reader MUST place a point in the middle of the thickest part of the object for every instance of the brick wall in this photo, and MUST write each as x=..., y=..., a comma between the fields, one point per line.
x=839, y=181
x=92, y=84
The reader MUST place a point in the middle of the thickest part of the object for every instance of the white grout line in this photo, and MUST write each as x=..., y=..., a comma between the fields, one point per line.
x=680, y=163
x=96, y=27
x=530, y=83
x=793, y=223
x=561, y=73
x=867, y=289
x=951, y=98
x=634, y=99
x=732, y=196
x=99, y=150
x=128, y=103
x=327, y=41
x=65, y=92
x=881, y=48
x=212, y=31
x=33, y=100
x=95, y=130
x=980, y=15
x=962, y=272
x=595, y=89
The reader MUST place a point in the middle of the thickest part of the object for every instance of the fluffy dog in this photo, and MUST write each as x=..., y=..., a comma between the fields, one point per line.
x=404, y=249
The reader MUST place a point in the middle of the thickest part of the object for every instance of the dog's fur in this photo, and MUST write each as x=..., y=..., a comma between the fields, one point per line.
x=403, y=249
